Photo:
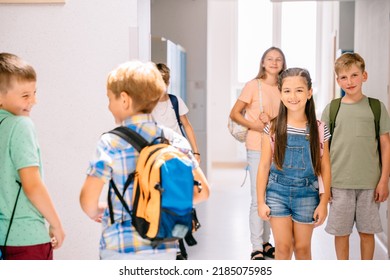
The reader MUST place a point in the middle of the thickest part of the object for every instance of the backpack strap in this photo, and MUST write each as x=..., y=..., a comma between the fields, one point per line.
x=321, y=132
x=112, y=186
x=132, y=137
x=138, y=142
x=375, y=106
x=12, y=215
x=333, y=111
x=175, y=104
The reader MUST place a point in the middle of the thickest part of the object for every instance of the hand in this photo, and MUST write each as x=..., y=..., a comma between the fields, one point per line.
x=101, y=208
x=257, y=125
x=263, y=211
x=320, y=214
x=264, y=117
x=57, y=235
x=381, y=192
x=197, y=157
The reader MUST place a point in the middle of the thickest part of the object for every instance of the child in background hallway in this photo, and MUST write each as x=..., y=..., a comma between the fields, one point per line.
x=133, y=89
x=21, y=170
x=359, y=181
x=258, y=114
x=288, y=189
x=164, y=114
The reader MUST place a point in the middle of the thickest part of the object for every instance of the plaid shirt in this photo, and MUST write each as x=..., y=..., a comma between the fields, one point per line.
x=116, y=159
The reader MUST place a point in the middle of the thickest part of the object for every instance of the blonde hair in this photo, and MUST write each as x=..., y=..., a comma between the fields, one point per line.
x=346, y=60
x=141, y=81
x=14, y=68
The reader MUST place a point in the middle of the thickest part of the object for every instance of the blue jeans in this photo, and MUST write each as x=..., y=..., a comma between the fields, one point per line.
x=260, y=230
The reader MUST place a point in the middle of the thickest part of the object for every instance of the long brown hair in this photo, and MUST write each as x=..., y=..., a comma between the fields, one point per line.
x=279, y=124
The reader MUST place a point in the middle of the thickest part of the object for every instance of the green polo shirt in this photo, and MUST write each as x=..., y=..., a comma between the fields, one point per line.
x=18, y=149
x=354, y=152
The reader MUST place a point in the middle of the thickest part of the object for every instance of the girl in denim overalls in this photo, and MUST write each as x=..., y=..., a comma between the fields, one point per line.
x=287, y=180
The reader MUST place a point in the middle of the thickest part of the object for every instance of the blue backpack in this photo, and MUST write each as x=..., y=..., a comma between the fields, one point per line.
x=162, y=191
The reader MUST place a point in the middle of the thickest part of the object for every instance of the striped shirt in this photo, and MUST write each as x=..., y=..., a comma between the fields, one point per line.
x=300, y=131
x=116, y=159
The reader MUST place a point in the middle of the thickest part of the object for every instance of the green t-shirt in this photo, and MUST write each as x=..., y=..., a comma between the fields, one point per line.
x=354, y=150
x=18, y=149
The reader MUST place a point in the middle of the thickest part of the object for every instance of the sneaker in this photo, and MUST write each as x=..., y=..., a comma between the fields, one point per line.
x=180, y=257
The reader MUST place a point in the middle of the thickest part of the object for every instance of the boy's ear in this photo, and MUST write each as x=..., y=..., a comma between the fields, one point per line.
x=365, y=76
x=337, y=80
x=126, y=101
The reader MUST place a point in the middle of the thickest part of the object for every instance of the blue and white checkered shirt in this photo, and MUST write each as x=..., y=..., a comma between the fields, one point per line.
x=116, y=159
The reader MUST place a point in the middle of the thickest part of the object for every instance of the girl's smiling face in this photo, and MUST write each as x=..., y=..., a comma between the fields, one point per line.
x=273, y=62
x=295, y=93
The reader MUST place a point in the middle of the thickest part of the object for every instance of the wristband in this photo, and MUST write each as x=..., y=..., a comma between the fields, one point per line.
x=196, y=154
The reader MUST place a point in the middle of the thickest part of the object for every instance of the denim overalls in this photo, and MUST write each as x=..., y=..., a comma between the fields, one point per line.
x=293, y=191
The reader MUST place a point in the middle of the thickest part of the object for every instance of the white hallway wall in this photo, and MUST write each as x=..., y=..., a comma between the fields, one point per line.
x=372, y=41
x=184, y=22
x=221, y=45
x=73, y=47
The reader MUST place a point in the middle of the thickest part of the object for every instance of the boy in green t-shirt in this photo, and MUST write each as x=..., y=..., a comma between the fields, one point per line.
x=359, y=181
x=27, y=237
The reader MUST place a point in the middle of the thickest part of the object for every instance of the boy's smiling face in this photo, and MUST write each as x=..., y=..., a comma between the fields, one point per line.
x=351, y=80
x=19, y=98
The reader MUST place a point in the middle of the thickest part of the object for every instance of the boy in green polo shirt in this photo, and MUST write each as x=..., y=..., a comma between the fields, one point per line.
x=27, y=237
x=359, y=181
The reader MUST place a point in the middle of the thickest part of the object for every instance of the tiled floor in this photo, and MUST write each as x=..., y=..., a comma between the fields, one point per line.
x=224, y=234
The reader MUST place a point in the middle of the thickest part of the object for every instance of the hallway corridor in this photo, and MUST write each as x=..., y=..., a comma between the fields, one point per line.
x=224, y=234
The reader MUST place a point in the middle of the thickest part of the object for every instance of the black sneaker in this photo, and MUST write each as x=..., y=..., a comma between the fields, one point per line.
x=180, y=257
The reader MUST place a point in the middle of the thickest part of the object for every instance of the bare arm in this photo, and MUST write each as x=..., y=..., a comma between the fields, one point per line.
x=89, y=197
x=37, y=193
x=235, y=115
x=262, y=176
x=205, y=193
x=321, y=211
x=191, y=136
x=382, y=190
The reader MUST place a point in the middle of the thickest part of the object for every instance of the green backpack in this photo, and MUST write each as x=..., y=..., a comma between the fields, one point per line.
x=375, y=106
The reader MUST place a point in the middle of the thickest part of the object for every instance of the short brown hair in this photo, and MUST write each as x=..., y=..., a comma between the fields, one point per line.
x=141, y=81
x=13, y=67
x=346, y=60
x=165, y=72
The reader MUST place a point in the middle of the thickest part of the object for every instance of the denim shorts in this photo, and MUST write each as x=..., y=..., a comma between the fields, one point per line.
x=295, y=197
